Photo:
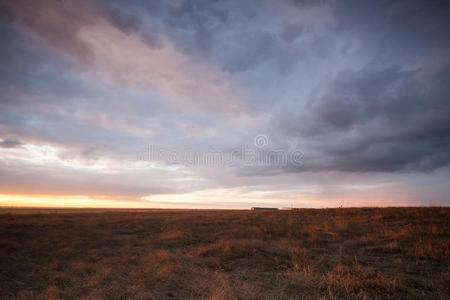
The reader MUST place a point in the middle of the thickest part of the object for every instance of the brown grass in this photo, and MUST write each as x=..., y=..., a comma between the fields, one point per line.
x=389, y=253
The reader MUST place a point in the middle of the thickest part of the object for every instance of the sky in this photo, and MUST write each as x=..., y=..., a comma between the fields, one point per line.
x=224, y=104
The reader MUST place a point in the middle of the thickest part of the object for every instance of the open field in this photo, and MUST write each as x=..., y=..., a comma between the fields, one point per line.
x=360, y=253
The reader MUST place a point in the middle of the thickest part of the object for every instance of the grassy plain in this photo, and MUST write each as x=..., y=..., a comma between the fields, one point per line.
x=350, y=253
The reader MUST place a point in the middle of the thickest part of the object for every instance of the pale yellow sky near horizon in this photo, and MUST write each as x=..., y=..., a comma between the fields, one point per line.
x=190, y=201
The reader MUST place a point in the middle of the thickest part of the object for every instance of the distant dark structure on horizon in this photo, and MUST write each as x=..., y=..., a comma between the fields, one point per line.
x=264, y=208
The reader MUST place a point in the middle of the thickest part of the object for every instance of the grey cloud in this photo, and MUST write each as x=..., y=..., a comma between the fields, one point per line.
x=396, y=31
x=231, y=33
x=10, y=143
x=368, y=120
x=323, y=46
x=131, y=22
x=262, y=46
x=58, y=181
x=56, y=21
x=291, y=32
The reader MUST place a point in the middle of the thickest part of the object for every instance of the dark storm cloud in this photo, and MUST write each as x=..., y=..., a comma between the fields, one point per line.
x=391, y=114
x=232, y=33
x=369, y=120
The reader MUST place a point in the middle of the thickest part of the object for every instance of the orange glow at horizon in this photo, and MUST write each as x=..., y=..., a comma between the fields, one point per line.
x=69, y=201
x=213, y=198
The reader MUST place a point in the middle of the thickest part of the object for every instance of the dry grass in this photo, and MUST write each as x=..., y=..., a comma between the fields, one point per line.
x=390, y=253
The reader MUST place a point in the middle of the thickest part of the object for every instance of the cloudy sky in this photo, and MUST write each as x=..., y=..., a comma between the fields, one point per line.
x=224, y=104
